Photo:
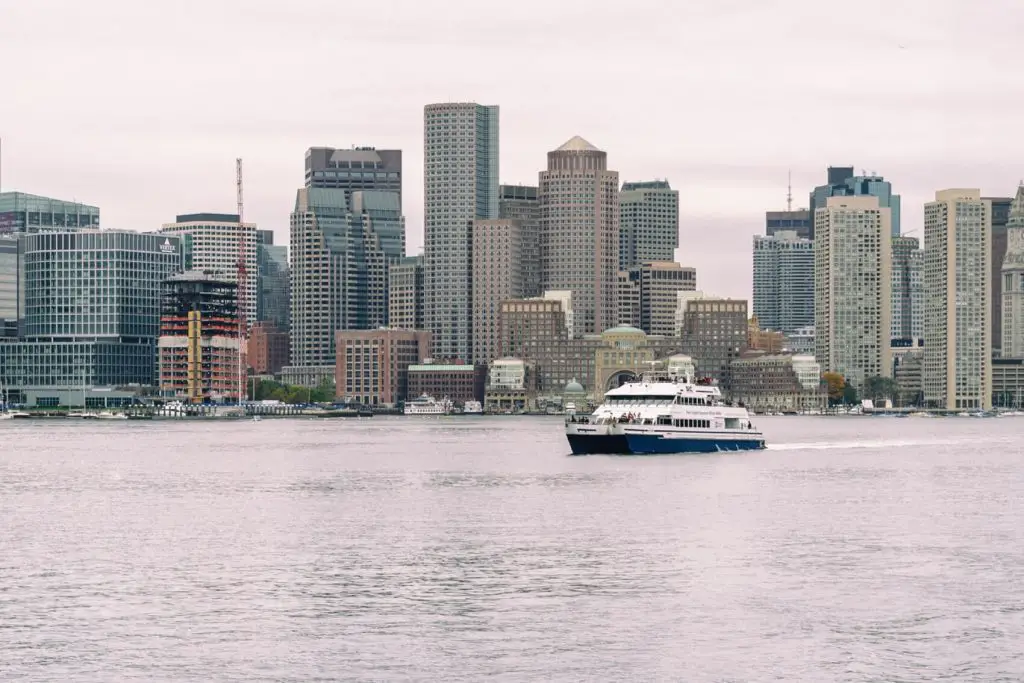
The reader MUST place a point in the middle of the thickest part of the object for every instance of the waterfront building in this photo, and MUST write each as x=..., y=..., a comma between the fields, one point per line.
x=91, y=303
x=342, y=245
x=579, y=232
x=1008, y=383
x=843, y=183
x=908, y=362
x=1012, y=276
x=355, y=169
x=648, y=223
x=785, y=383
x=268, y=348
x=957, y=371
x=199, y=345
x=508, y=388
x=460, y=180
x=521, y=203
x=499, y=273
x=1000, y=217
x=907, y=288
x=456, y=382
x=273, y=298
x=853, y=288
x=784, y=281
x=647, y=295
x=8, y=285
x=714, y=333
x=28, y=213
x=799, y=221
x=212, y=245
x=759, y=339
x=373, y=365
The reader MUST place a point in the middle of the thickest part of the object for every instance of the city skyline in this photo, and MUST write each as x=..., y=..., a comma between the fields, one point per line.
x=121, y=153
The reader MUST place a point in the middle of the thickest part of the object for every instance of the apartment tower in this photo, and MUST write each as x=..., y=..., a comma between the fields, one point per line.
x=579, y=232
x=957, y=372
x=853, y=287
x=460, y=185
x=648, y=223
x=783, y=281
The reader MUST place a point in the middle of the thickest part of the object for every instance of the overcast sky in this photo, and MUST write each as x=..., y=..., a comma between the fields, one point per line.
x=141, y=107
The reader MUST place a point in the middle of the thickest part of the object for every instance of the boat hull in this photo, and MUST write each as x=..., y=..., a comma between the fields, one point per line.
x=645, y=444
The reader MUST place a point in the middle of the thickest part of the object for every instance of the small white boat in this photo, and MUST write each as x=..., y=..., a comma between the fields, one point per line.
x=256, y=418
x=107, y=415
x=428, y=405
x=472, y=408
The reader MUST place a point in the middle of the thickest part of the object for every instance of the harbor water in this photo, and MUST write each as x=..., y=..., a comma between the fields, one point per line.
x=462, y=548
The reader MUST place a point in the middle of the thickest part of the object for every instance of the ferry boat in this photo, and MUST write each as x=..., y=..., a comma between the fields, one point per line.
x=472, y=408
x=662, y=414
x=427, y=405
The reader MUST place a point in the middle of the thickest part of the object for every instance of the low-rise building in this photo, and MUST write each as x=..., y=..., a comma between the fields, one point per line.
x=907, y=365
x=458, y=383
x=777, y=383
x=1008, y=383
x=801, y=342
x=373, y=365
x=508, y=387
x=268, y=348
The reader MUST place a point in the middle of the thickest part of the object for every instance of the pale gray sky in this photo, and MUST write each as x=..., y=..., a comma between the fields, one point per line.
x=142, y=107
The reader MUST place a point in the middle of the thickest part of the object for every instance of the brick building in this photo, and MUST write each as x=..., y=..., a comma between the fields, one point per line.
x=373, y=365
x=268, y=348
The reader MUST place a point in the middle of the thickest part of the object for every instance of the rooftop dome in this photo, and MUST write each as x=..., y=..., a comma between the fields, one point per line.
x=574, y=387
x=624, y=329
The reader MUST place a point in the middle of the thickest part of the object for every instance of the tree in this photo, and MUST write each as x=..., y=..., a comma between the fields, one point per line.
x=881, y=388
x=850, y=394
x=835, y=383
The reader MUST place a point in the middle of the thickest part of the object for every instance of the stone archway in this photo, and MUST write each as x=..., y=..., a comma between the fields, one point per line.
x=617, y=379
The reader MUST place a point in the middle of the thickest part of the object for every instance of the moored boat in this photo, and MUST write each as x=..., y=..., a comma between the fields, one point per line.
x=428, y=405
x=659, y=414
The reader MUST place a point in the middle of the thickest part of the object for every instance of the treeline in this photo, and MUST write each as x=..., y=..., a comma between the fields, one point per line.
x=268, y=390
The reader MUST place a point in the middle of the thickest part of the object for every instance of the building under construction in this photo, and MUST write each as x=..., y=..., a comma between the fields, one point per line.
x=199, y=341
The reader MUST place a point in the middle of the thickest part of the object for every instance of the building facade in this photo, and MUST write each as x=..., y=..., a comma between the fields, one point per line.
x=458, y=383
x=647, y=295
x=273, y=297
x=714, y=333
x=268, y=348
x=342, y=246
x=9, y=285
x=29, y=213
x=843, y=183
x=777, y=383
x=579, y=232
x=907, y=288
x=799, y=221
x=498, y=274
x=1000, y=217
x=1012, y=276
x=373, y=365
x=521, y=203
x=90, y=309
x=648, y=223
x=405, y=294
x=853, y=288
x=199, y=345
x=212, y=242
x=460, y=184
x=355, y=169
x=784, y=281
x=957, y=372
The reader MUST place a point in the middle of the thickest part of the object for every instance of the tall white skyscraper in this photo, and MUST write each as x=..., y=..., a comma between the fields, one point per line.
x=783, y=281
x=579, y=232
x=648, y=223
x=460, y=185
x=853, y=288
x=957, y=372
x=1013, y=281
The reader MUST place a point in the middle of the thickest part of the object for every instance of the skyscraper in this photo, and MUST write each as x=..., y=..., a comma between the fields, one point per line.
x=498, y=274
x=358, y=168
x=957, y=372
x=29, y=213
x=783, y=281
x=1000, y=216
x=460, y=185
x=1012, y=275
x=648, y=223
x=212, y=244
x=647, y=295
x=853, y=288
x=342, y=244
x=907, y=288
x=800, y=221
x=405, y=293
x=579, y=232
x=843, y=183
x=273, y=301
x=521, y=203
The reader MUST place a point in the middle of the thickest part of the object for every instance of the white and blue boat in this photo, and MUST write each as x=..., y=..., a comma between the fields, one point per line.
x=661, y=414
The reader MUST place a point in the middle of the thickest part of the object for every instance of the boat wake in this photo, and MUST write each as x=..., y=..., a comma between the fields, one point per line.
x=837, y=445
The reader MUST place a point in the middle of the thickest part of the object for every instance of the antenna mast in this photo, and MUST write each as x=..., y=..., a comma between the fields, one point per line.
x=789, y=192
x=242, y=288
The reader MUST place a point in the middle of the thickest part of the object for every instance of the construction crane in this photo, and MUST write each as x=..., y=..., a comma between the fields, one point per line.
x=242, y=288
